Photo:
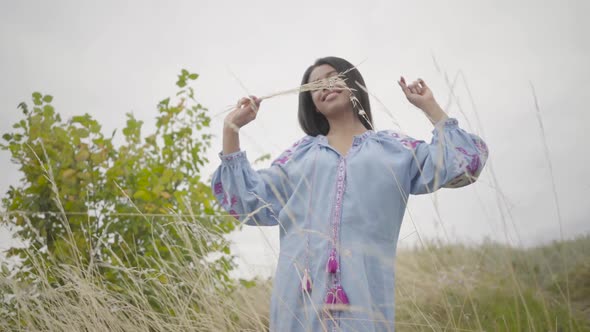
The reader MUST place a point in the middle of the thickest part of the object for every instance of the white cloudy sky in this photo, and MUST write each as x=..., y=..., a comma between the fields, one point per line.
x=110, y=57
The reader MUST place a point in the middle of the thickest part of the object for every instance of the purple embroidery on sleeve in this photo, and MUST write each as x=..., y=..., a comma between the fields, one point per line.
x=234, y=200
x=407, y=141
x=286, y=156
x=234, y=214
x=469, y=162
x=224, y=201
x=411, y=143
x=218, y=188
x=283, y=160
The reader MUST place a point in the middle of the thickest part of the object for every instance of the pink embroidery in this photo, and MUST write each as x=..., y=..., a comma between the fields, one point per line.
x=469, y=162
x=224, y=201
x=218, y=188
x=283, y=160
x=407, y=141
x=411, y=143
x=286, y=156
x=332, y=265
x=234, y=214
x=234, y=200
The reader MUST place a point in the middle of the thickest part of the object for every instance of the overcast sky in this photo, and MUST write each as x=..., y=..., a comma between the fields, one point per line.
x=107, y=58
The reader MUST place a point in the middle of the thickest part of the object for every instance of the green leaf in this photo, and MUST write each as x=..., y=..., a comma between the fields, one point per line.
x=143, y=195
x=165, y=102
x=48, y=110
x=82, y=132
x=193, y=76
x=47, y=98
x=23, y=106
x=247, y=283
x=262, y=158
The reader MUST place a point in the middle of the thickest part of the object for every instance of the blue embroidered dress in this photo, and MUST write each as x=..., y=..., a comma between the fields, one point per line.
x=340, y=217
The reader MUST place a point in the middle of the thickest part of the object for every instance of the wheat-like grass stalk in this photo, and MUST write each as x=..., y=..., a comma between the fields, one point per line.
x=326, y=83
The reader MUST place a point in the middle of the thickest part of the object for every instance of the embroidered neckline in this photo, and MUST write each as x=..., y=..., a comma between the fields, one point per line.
x=356, y=141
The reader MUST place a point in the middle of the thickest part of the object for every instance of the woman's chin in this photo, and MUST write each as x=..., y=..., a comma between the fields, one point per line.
x=337, y=109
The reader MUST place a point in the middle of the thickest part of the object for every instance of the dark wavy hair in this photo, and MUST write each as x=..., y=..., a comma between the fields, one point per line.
x=314, y=123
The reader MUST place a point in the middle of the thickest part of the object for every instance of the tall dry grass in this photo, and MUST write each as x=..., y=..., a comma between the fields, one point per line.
x=489, y=287
x=493, y=287
x=180, y=294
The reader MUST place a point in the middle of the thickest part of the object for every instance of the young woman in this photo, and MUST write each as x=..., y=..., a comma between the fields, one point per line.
x=339, y=195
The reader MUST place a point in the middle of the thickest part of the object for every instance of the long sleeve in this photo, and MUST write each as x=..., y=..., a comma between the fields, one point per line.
x=255, y=197
x=453, y=159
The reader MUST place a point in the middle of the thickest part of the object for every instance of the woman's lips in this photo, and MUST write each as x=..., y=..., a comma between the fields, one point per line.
x=331, y=95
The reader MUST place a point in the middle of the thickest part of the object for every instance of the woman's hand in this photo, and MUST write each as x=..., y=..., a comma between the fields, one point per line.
x=421, y=96
x=244, y=113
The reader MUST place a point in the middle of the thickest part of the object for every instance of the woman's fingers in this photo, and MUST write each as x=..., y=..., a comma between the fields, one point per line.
x=402, y=84
x=413, y=87
x=243, y=102
x=416, y=87
x=423, y=86
x=251, y=101
x=422, y=83
x=244, y=113
x=419, y=87
x=255, y=103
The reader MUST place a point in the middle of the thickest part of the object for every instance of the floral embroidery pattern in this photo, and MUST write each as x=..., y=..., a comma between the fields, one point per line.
x=230, y=157
x=232, y=201
x=218, y=188
x=225, y=203
x=467, y=161
x=228, y=205
x=407, y=141
x=285, y=156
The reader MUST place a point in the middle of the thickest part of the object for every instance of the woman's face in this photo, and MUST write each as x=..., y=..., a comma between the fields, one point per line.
x=330, y=99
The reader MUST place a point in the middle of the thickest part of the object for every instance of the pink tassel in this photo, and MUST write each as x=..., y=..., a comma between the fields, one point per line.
x=330, y=299
x=332, y=266
x=340, y=294
x=336, y=298
x=306, y=282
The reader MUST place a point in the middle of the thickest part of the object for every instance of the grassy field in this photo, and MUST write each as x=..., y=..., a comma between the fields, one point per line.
x=440, y=287
x=495, y=288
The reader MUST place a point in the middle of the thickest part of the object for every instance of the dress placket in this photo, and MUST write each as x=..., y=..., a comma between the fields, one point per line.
x=336, y=298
